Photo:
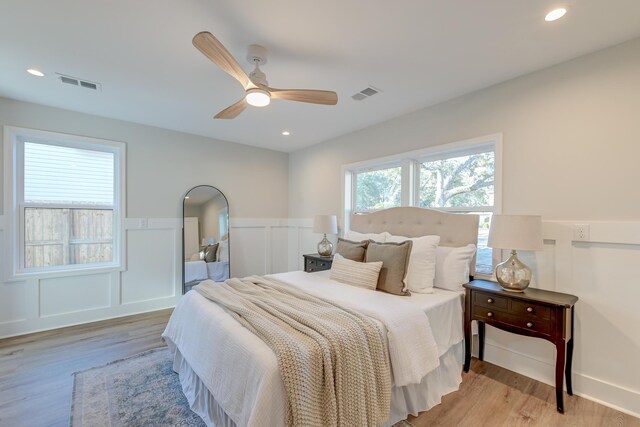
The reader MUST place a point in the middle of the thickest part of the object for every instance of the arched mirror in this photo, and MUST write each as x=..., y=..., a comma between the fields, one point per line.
x=205, y=236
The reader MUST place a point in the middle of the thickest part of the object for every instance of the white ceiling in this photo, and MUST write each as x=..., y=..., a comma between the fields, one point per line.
x=418, y=52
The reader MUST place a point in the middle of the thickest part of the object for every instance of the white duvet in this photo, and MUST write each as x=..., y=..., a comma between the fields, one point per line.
x=242, y=373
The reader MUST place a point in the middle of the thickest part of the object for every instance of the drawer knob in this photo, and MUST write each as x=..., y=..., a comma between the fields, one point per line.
x=490, y=300
x=529, y=309
x=529, y=324
x=490, y=314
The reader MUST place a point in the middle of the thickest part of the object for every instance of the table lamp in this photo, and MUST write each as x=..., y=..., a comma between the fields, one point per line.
x=515, y=232
x=325, y=224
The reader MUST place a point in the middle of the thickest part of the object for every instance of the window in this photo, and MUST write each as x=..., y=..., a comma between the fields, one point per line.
x=461, y=177
x=460, y=181
x=377, y=189
x=67, y=200
x=462, y=184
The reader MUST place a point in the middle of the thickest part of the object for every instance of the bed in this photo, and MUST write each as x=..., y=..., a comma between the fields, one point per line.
x=231, y=377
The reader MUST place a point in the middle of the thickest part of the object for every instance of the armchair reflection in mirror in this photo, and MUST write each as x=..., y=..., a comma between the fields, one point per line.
x=205, y=236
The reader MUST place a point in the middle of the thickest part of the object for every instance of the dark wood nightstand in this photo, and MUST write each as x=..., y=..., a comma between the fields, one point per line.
x=534, y=312
x=315, y=262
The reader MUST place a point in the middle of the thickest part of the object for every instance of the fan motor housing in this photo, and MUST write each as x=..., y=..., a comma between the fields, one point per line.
x=257, y=54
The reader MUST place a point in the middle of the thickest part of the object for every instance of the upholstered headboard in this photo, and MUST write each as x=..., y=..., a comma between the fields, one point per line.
x=454, y=229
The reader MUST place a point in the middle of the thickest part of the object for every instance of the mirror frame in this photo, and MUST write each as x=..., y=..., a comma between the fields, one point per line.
x=228, y=227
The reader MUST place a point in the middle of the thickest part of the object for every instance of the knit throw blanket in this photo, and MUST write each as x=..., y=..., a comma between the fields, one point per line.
x=334, y=362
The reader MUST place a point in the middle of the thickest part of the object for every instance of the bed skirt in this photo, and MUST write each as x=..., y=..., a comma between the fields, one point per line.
x=411, y=399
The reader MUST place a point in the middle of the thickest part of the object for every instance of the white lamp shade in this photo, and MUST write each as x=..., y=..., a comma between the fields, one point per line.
x=516, y=232
x=325, y=224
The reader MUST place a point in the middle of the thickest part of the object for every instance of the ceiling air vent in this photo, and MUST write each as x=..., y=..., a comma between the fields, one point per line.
x=89, y=85
x=365, y=93
x=74, y=81
x=69, y=80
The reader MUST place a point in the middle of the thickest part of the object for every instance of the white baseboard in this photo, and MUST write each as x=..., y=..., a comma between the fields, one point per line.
x=28, y=326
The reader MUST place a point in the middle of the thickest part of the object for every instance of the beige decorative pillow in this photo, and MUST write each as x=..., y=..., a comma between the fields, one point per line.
x=395, y=264
x=352, y=250
x=360, y=274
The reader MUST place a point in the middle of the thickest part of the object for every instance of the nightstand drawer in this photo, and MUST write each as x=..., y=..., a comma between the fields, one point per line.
x=317, y=263
x=542, y=326
x=530, y=310
x=490, y=301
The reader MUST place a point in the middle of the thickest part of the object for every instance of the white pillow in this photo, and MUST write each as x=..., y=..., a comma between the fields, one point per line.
x=354, y=236
x=452, y=266
x=422, y=262
x=223, y=251
x=360, y=274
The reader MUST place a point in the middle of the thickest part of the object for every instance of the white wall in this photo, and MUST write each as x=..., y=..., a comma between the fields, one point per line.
x=571, y=144
x=161, y=166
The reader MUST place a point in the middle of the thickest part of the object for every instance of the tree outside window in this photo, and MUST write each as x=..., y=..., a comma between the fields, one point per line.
x=460, y=181
x=378, y=189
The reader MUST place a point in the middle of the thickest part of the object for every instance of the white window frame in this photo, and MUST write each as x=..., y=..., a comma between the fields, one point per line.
x=14, y=138
x=410, y=162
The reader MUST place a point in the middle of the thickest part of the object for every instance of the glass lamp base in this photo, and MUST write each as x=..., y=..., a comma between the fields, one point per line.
x=513, y=275
x=325, y=247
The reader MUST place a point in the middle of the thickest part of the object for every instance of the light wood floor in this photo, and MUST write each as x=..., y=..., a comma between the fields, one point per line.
x=494, y=396
x=36, y=370
x=36, y=381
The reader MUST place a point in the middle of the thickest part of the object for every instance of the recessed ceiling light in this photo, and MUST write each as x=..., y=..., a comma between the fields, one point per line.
x=286, y=133
x=35, y=72
x=555, y=14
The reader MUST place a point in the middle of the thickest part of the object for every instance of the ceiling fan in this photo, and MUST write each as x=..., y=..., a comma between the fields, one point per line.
x=258, y=93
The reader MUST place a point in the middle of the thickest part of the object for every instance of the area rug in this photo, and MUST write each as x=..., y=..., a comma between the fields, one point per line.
x=141, y=390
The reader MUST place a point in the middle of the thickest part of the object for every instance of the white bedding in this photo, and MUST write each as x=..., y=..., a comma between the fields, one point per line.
x=197, y=271
x=214, y=345
x=218, y=271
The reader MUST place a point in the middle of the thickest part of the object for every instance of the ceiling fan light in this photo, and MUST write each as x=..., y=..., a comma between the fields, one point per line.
x=258, y=97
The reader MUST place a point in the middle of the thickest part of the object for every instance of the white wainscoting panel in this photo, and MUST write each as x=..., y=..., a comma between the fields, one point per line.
x=249, y=246
x=279, y=249
x=152, y=269
x=13, y=300
x=65, y=295
x=266, y=246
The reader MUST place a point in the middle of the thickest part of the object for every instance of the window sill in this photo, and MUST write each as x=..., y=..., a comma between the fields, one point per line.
x=19, y=277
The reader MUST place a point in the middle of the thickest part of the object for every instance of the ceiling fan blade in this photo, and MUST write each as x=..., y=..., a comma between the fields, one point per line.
x=233, y=111
x=325, y=97
x=211, y=47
